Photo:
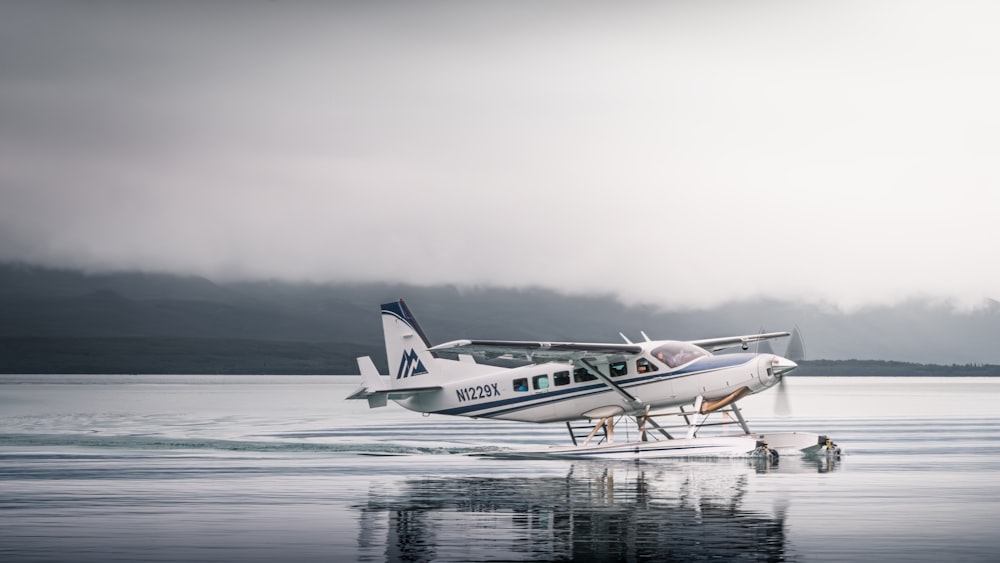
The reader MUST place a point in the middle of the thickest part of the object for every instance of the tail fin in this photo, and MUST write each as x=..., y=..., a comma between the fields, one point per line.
x=411, y=364
x=405, y=346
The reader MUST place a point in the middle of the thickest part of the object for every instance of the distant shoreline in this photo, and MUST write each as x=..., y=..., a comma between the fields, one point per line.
x=888, y=368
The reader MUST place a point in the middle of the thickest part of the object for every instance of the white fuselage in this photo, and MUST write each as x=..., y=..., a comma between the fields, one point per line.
x=552, y=391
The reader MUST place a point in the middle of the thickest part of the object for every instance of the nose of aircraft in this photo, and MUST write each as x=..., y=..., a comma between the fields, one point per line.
x=781, y=366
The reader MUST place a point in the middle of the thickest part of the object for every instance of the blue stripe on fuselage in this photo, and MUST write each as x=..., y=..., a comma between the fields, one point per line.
x=702, y=365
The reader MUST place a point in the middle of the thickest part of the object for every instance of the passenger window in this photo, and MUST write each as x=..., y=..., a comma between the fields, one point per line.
x=618, y=369
x=642, y=365
x=560, y=378
x=541, y=381
x=581, y=374
x=521, y=384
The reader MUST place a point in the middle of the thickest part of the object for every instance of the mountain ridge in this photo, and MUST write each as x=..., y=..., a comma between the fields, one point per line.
x=57, y=309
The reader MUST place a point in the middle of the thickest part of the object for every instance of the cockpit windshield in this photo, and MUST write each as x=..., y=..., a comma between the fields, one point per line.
x=675, y=354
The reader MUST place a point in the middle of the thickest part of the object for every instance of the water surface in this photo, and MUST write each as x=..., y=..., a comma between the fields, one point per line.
x=225, y=468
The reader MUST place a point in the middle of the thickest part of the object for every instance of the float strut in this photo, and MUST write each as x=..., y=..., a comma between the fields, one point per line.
x=739, y=417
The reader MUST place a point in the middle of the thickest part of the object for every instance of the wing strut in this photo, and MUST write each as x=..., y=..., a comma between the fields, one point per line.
x=607, y=379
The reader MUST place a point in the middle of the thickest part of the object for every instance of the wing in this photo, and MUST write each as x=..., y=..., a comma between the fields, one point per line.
x=535, y=351
x=713, y=344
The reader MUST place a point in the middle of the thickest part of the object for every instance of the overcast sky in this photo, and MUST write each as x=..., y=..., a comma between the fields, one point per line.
x=681, y=153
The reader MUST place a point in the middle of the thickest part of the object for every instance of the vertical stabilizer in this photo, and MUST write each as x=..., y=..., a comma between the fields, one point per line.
x=410, y=363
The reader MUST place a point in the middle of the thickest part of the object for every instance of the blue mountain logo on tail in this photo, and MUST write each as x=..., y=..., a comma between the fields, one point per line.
x=410, y=365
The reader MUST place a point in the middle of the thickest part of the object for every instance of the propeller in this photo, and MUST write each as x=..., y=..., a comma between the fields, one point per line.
x=795, y=352
x=781, y=407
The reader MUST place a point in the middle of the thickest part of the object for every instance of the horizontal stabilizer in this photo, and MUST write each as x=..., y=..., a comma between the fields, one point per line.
x=372, y=386
x=371, y=381
x=377, y=391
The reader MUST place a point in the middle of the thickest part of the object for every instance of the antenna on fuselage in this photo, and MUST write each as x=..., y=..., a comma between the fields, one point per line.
x=627, y=341
x=643, y=333
x=763, y=346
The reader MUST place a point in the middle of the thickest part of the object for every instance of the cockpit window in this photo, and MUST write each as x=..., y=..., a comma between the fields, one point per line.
x=675, y=354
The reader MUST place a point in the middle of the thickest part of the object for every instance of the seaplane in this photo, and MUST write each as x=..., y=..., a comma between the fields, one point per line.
x=666, y=390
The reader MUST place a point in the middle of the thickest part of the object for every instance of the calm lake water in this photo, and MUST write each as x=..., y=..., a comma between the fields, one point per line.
x=262, y=468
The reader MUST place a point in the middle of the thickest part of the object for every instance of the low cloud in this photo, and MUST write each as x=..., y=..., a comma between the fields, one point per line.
x=677, y=155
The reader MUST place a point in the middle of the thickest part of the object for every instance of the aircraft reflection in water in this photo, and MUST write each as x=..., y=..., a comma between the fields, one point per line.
x=596, y=512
